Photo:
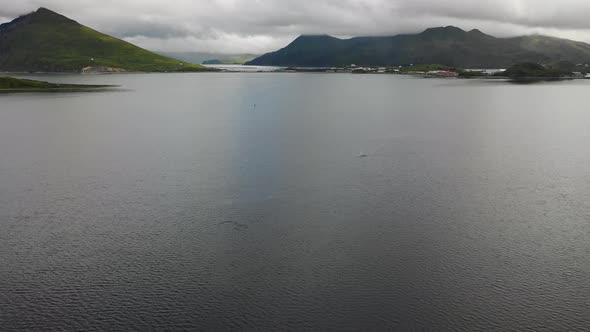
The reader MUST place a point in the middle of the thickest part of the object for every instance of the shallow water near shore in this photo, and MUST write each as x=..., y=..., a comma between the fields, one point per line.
x=248, y=201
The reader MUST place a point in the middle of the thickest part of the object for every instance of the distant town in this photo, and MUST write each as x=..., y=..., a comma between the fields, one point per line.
x=530, y=70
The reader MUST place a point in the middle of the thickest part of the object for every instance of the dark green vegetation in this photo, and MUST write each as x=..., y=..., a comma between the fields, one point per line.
x=449, y=46
x=472, y=74
x=533, y=70
x=10, y=84
x=48, y=42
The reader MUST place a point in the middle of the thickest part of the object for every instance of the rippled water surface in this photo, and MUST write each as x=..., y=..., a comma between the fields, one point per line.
x=295, y=201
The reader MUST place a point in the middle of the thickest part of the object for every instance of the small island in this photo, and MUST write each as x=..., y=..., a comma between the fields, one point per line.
x=534, y=71
x=11, y=84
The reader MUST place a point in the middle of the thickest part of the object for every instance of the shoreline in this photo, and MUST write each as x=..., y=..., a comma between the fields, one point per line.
x=57, y=90
x=14, y=85
x=302, y=70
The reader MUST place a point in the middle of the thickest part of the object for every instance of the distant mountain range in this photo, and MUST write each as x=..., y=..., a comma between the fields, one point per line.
x=238, y=59
x=49, y=42
x=449, y=46
x=45, y=41
x=211, y=58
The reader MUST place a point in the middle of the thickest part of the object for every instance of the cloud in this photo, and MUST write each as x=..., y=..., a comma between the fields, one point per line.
x=262, y=25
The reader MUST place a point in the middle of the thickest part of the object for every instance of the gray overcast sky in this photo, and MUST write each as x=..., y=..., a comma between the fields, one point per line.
x=257, y=26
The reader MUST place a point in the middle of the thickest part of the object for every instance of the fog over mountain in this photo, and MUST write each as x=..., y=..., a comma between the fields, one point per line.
x=258, y=26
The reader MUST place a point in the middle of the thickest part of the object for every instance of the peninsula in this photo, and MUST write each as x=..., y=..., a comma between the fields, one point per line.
x=10, y=84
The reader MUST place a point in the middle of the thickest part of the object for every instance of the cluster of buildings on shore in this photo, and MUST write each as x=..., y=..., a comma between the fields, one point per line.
x=399, y=69
x=426, y=70
x=442, y=73
x=373, y=70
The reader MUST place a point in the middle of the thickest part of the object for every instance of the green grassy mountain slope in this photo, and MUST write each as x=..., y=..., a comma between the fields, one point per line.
x=449, y=46
x=47, y=41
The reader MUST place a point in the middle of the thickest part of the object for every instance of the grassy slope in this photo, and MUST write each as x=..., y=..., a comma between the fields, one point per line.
x=555, y=48
x=46, y=41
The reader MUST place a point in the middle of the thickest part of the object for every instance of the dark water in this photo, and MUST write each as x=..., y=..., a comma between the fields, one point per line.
x=240, y=202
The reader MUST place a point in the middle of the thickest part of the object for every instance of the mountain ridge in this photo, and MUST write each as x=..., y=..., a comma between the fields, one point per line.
x=45, y=41
x=450, y=45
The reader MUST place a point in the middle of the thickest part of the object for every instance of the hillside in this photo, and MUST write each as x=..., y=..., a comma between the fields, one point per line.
x=449, y=46
x=49, y=42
